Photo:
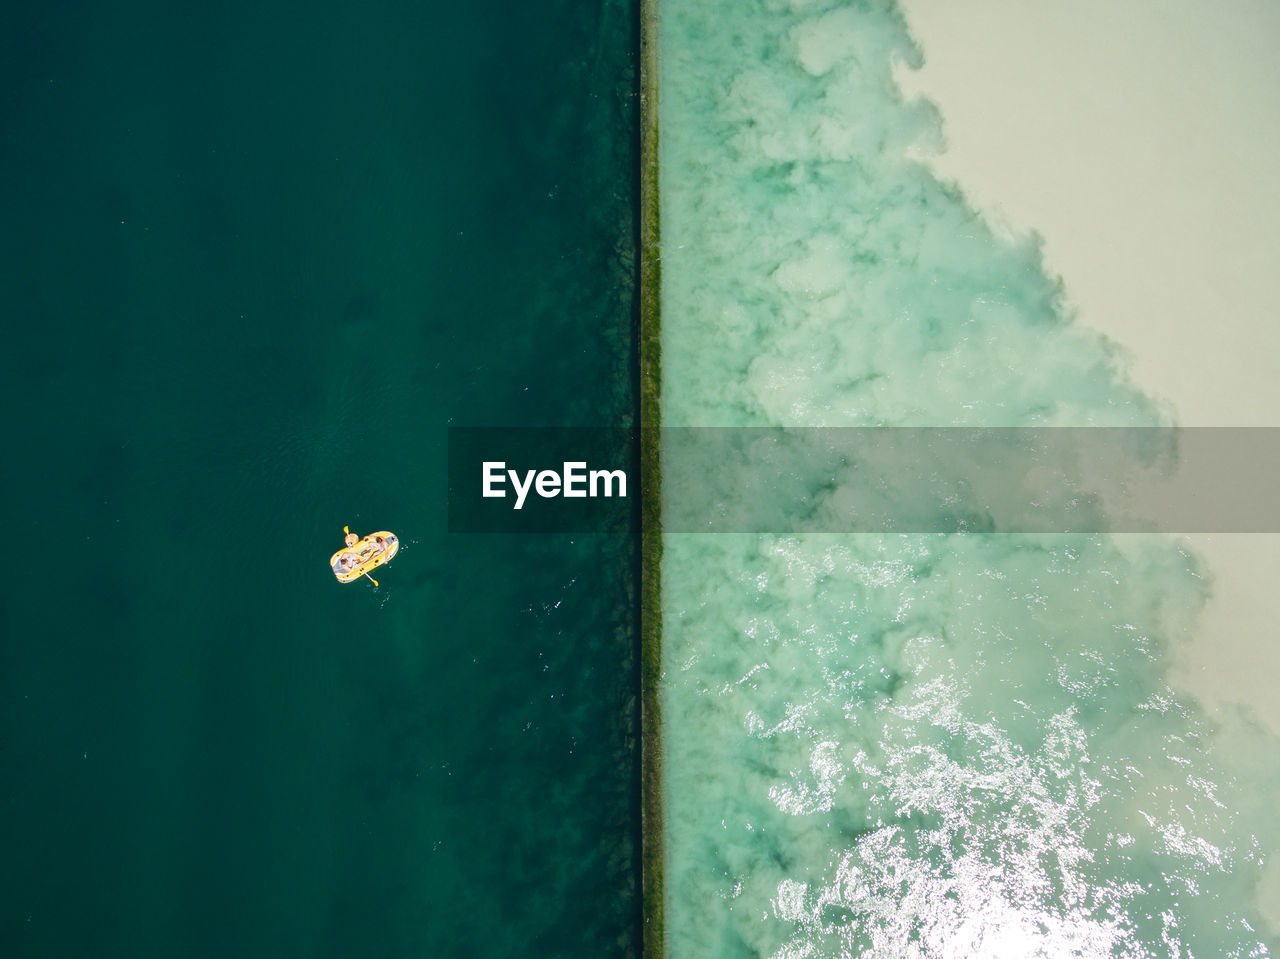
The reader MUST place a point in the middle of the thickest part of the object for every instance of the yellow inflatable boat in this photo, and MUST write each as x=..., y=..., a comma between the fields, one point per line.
x=359, y=556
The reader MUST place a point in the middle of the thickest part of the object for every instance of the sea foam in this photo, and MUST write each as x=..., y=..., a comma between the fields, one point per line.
x=910, y=745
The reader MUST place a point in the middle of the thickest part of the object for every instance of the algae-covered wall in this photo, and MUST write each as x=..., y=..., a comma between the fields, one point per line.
x=650, y=504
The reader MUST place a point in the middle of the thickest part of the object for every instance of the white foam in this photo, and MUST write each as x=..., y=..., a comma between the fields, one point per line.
x=907, y=745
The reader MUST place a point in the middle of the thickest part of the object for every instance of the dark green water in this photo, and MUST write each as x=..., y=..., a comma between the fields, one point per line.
x=253, y=263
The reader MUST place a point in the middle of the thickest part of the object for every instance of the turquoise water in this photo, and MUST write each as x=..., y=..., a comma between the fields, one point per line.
x=255, y=260
x=911, y=746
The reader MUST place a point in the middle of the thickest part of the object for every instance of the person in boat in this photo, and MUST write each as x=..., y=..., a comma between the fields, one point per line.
x=345, y=562
x=382, y=543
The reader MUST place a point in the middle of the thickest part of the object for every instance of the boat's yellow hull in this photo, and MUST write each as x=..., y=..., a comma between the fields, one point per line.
x=364, y=556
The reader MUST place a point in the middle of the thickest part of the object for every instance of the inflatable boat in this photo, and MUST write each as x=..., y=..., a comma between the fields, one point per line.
x=358, y=556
